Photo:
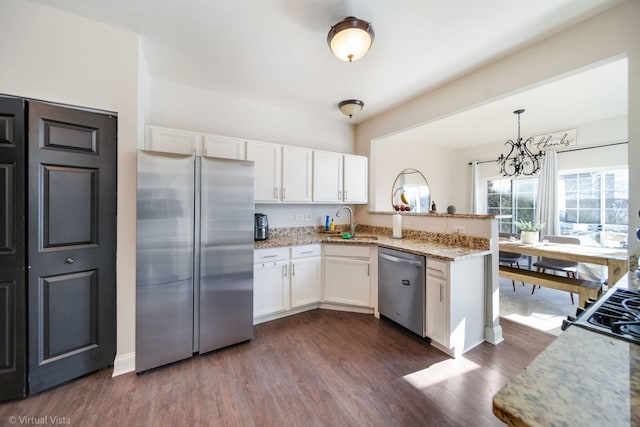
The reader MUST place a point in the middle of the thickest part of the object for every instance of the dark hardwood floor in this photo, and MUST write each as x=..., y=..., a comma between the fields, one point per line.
x=319, y=368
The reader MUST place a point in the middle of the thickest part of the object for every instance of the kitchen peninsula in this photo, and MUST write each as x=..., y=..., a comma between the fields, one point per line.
x=582, y=378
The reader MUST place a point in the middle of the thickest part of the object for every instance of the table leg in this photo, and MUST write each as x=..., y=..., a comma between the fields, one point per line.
x=616, y=269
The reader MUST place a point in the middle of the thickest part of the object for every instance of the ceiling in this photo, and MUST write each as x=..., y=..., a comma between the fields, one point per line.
x=598, y=93
x=275, y=51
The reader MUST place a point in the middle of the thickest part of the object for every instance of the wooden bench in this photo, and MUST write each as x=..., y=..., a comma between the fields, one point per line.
x=584, y=288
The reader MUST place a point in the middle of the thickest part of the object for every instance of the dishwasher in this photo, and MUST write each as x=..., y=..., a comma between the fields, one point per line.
x=401, y=288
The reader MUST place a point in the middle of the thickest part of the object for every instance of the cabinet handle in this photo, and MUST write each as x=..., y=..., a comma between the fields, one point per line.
x=307, y=252
x=275, y=193
x=440, y=293
x=346, y=197
x=269, y=256
x=293, y=270
x=339, y=195
x=283, y=193
x=368, y=270
x=284, y=270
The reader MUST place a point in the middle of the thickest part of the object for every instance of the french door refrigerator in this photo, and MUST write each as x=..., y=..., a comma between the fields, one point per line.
x=194, y=290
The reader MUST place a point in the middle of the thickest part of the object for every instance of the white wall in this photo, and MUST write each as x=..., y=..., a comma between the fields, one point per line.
x=54, y=56
x=184, y=107
x=388, y=159
x=614, y=33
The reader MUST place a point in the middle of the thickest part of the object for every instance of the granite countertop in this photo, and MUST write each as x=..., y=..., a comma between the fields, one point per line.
x=583, y=378
x=424, y=247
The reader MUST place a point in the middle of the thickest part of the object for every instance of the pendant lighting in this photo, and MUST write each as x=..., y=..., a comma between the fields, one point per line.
x=350, y=39
x=350, y=107
x=520, y=160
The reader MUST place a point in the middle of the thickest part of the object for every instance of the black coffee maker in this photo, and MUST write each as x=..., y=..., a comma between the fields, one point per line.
x=261, y=227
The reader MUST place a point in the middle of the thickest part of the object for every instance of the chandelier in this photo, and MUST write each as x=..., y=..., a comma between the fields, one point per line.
x=520, y=160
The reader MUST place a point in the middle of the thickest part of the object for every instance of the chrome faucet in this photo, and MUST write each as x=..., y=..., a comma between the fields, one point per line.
x=352, y=226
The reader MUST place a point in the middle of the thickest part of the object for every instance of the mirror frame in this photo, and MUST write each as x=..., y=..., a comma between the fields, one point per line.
x=396, y=195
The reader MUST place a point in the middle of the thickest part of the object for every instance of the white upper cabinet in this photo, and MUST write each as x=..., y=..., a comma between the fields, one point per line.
x=339, y=178
x=283, y=173
x=327, y=177
x=267, y=158
x=356, y=175
x=296, y=174
x=224, y=147
x=171, y=140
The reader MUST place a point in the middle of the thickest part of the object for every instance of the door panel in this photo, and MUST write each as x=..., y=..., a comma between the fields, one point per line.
x=67, y=331
x=12, y=250
x=69, y=216
x=72, y=213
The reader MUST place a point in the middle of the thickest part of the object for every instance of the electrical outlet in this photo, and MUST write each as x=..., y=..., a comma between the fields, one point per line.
x=307, y=217
x=298, y=217
x=406, y=224
x=458, y=230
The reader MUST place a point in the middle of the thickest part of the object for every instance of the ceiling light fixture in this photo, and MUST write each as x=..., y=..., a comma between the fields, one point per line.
x=350, y=107
x=520, y=160
x=350, y=38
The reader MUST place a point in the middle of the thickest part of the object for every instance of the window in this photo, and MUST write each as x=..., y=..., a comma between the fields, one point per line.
x=512, y=200
x=595, y=206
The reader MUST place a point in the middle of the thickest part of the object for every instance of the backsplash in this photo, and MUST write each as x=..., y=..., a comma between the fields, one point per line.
x=455, y=240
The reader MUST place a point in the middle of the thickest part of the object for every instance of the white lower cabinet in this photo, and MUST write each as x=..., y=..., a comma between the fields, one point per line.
x=270, y=281
x=305, y=275
x=347, y=275
x=455, y=304
x=284, y=279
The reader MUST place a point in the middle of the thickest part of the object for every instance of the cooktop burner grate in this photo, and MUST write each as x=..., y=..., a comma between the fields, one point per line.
x=616, y=315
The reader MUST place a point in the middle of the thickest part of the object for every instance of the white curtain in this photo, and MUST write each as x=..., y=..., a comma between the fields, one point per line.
x=477, y=205
x=547, y=209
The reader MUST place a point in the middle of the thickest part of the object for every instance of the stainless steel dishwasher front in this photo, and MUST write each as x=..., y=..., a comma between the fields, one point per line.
x=401, y=288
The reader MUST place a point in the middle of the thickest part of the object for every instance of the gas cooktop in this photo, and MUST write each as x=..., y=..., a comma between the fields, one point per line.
x=616, y=314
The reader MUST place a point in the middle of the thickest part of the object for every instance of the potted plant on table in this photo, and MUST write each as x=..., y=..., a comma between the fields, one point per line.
x=529, y=232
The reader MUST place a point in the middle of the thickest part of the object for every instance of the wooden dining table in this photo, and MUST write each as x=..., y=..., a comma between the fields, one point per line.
x=616, y=261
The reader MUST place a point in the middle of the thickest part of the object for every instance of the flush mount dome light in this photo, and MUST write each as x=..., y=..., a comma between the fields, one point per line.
x=350, y=38
x=350, y=107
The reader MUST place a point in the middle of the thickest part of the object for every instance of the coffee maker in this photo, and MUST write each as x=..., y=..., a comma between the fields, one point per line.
x=261, y=227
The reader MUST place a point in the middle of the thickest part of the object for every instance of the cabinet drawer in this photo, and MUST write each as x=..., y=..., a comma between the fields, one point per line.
x=437, y=268
x=346, y=250
x=305, y=251
x=270, y=254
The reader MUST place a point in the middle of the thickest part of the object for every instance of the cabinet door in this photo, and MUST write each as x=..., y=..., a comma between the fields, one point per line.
x=267, y=170
x=224, y=147
x=355, y=179
x=270, y=288
x=347, y=281
x=296, y=174
x=171, y=140
x=305, y=281
x=437, y=325
x=327, y=177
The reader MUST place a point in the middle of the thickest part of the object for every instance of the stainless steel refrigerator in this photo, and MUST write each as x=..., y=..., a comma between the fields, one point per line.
x=194, y=267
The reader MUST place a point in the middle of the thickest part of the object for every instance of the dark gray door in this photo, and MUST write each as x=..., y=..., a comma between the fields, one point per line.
x=12, y=250
x=72, y=243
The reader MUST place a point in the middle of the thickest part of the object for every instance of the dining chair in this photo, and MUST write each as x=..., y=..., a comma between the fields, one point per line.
x=512, y=259
x=568, y=267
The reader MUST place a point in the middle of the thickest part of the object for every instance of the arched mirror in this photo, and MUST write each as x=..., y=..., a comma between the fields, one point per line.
x=411, y=192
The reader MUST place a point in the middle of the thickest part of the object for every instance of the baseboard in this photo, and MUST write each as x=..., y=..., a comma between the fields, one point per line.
x=124, y=364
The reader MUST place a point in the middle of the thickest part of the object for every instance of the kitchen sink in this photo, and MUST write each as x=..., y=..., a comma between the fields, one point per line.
x=355, y=239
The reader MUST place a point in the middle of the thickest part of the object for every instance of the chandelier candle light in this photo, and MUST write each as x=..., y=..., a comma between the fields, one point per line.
x=520, y=160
